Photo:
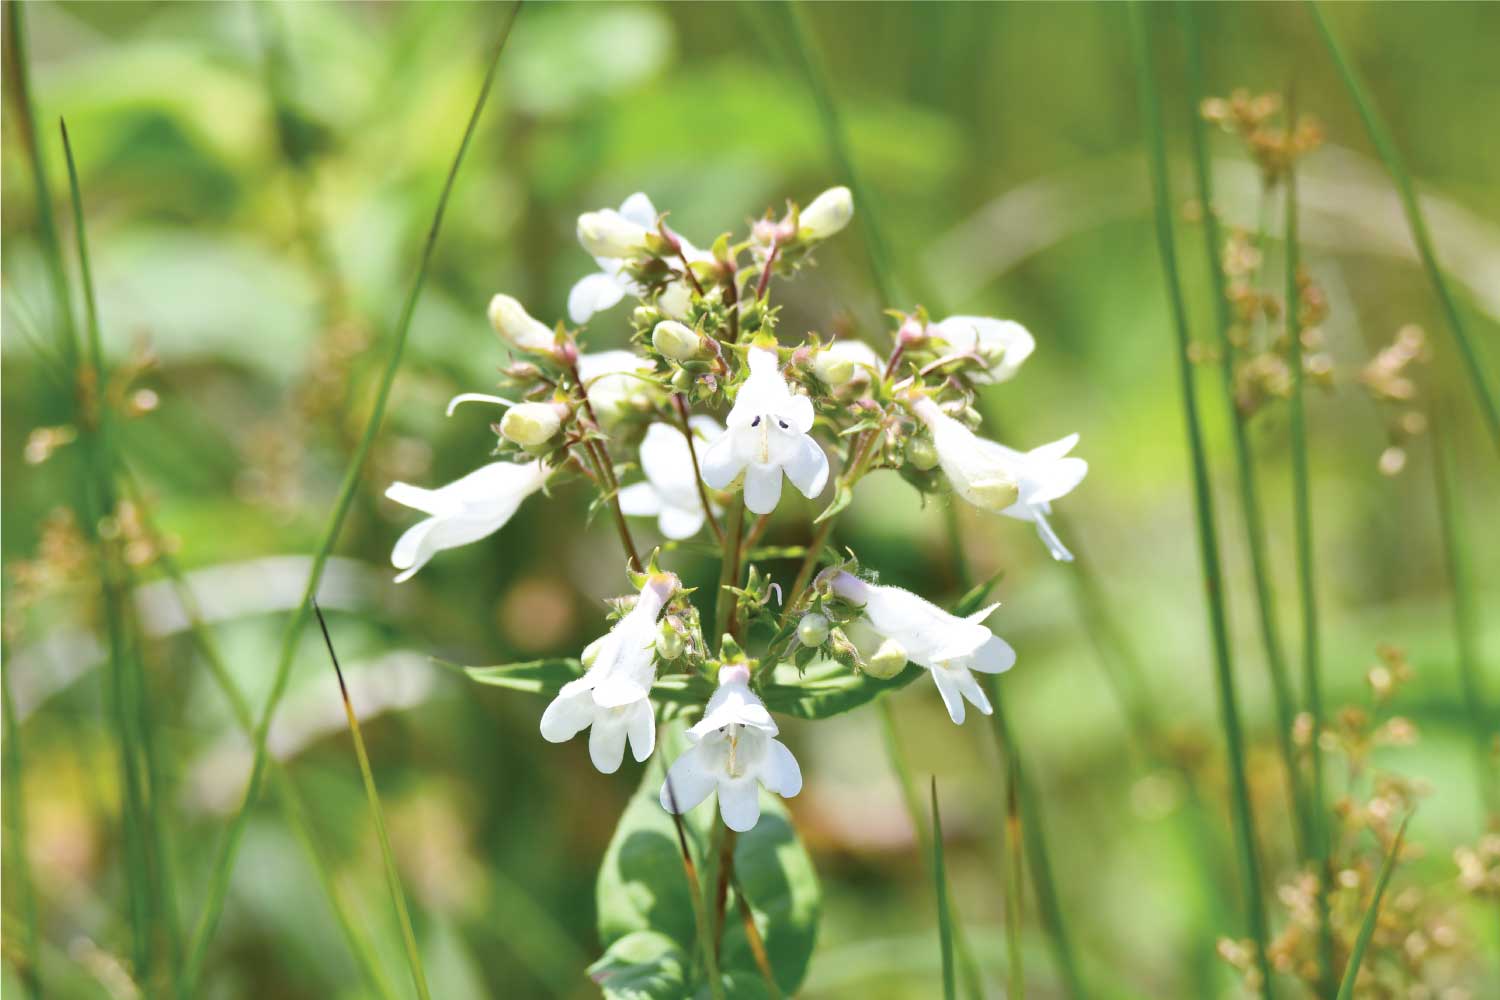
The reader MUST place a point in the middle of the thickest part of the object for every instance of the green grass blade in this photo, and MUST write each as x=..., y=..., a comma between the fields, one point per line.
x=224, y=863
x=392, y=874
x=17, y=864
x=945, y=915
x=810, y=58
x=1249, y=490
x=1385, y=146
x=1367, y=925
x=1244, y=817
x=1465, y=621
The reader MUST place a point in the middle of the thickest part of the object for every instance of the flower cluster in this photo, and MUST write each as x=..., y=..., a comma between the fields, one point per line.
x=718, y=416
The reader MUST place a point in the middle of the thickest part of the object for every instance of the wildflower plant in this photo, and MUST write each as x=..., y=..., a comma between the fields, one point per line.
x=721, y=415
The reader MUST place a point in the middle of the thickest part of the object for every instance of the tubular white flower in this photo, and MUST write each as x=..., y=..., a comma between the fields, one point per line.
x=1043, y=475
x=979, y=470
x=1002, y=343
x=733, y=751
x=670, y=493
x=464, y=511
x=517, y=327
x=613, y=237
x=949, y=647
x=530, y=424
x=612, y=699
x=610, y=234
x=828, y=214
x=613, y=382
x=766, y=436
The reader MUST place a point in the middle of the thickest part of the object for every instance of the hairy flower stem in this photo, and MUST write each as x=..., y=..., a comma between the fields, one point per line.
x=679, y=405
x=729, y=571
x=1244, y=817
x=1254, y=519
x=707, y=947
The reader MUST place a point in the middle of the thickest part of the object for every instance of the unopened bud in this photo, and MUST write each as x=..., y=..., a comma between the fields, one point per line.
x=888, y=660
x=913, y=331
x=833, y=369
x=669, y=644
x=676, y=341
x=530, y=424
x=829, y=213
x=609, y=234
x=517, y=327
x=921, y=453
x=812, y=630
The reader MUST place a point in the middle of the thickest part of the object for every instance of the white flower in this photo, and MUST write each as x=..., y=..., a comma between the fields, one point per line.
x=1002, y=343
x=670, y=491
x=733, y=750
x=464, y=511
x=828, y=214
x=767, y=436
x=613, y=237
x=613, y=383
x=949, y=647
x=612, y=699
x=517, y=327
x=980, y=471
x=1044, y=474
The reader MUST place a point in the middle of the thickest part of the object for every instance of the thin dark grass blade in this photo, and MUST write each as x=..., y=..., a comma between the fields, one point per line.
x=1244, y=817
x=945, y=915
x=392, y=874
x=1249, y=489
x=17, y=864
x=153, y=899
x=1385, y=146
x=219, y=879
x=1367, y=925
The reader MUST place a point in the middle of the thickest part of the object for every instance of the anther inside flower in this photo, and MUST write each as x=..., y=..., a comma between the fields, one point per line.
x=767, y=435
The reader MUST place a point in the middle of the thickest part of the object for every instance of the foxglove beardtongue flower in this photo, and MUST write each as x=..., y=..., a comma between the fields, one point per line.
x=1044, y=474
x=612, y=698
x=517, y=327
x=766, y=436
x=607, y=286
x=979, y=470
x=828, y=214
x=1001, y=343
x=670, y=492
x=949, y=647
x=464, y=511
x=733, y=751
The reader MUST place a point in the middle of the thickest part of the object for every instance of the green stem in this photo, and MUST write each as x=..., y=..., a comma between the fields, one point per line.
x=707, y=947
x=1015, y=884
x=1385, y=146
x=729, y=571
x=1244, y=817
x=392, y=874
x=944, y=904
x=1255, y=531
x=224, y=864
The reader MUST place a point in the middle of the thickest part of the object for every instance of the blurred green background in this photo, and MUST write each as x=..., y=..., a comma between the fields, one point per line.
x=258, y=180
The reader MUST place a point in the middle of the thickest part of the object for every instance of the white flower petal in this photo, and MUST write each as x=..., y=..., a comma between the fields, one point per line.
x=948, y=687
x=808, y=471
x=1054, y=544
x=995, y=657
x=721, y=463
x=969, y=687
x=678, y=523
x=639, y=500
x=780, y=772
x=569, y=714
x=607, y=745
x=641, y=728
x=739, y=804
x=762, y=487
x=593, y=293
x=638, y=209
x=687, y=783
x=798, y=411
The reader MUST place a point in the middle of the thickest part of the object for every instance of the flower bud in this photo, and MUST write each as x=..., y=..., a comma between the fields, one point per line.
x=676, y=341
x=921, y=453
x=829, y=213
x=517, y=327
x=669, y=644
x=530, y=424
x=888, y=660
x=833, y=369
x=610, y=235
x=812, y=630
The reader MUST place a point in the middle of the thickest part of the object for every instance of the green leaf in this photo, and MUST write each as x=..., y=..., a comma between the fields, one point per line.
x=772, y=868
x=842, y=495
x=818, y=697
x=642, y=965
x=974, y=599
x=533, y=677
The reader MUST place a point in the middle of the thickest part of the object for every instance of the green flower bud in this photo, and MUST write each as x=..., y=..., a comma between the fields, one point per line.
x=888, y=661
x=530, y=424
x=676, y=341
x=812, y=630
x=669, y=643
x=833, y=369
x=921, y=453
